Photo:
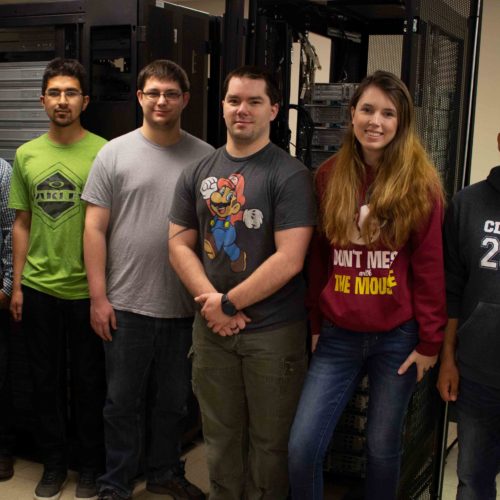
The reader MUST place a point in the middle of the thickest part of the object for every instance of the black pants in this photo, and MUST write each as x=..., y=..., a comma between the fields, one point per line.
x=53, y=327
x=6, y=413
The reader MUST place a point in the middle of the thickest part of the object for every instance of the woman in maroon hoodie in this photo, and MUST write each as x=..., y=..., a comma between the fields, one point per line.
x=376, y=289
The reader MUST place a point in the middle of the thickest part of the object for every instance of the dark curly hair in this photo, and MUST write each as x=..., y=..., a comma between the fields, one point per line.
x=65, y=67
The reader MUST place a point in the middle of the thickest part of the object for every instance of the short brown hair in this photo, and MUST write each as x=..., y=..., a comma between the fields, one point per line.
x=163, y=69
x=255, y=73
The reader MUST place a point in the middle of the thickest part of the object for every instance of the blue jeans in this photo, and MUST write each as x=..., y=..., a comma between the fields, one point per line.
x=478, y=412
x=341, y=359
x=148, y=375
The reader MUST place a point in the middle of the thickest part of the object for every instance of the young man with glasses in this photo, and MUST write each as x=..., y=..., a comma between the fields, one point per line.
x=50, y=291
x=138, y=306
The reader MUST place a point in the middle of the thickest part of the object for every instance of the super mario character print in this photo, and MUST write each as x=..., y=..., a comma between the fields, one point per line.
x=225, y=199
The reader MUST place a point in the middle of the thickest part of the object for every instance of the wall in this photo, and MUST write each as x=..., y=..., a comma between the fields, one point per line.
x=487, y=120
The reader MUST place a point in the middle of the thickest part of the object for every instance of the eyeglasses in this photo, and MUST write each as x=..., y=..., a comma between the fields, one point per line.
x=169, y=95
x=56, y=93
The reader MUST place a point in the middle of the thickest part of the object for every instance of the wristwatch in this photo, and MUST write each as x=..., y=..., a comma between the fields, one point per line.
x=227, y=306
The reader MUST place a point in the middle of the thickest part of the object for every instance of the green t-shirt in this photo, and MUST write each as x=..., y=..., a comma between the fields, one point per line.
x=48, y=180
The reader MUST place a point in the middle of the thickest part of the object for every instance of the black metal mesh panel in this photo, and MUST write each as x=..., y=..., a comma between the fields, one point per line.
x=440, y=88
x=437, y=115
x=461, y=7
x=439, y=91
x=385, y=52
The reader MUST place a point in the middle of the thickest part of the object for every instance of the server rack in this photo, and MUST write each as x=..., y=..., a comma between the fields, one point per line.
x=328, y=107
x=21, y=116
x=432, y=45
x=25, y=49
x=113, y=40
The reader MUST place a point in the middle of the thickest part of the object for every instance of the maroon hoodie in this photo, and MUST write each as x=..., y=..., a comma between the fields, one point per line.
x=375, y=289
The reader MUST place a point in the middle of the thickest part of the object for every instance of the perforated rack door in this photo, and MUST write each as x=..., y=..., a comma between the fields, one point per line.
x=439, y=78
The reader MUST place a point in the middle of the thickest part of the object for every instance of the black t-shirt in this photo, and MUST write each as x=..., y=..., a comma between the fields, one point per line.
x=236, y=205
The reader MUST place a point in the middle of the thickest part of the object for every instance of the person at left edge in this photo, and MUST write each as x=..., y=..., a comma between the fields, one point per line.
x=6, y=416
x=50, y=292
x=138, y=305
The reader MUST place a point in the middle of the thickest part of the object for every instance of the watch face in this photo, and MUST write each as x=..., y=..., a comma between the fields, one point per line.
x=227, y=306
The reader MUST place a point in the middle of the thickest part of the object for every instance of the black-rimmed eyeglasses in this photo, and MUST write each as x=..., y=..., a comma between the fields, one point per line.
x=169, y=95
x=69, y=94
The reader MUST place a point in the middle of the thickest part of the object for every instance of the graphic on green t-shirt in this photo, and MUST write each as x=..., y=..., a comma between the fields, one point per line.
x=56, y=195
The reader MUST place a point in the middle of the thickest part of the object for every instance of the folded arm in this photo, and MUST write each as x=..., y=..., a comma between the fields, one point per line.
x=277, y=270
x=189, y=268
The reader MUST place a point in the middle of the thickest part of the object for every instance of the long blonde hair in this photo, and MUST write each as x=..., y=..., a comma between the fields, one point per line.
x=406, y=184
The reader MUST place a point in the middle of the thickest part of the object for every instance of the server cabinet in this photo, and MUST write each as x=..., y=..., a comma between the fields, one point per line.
x=432, y=46
x=120, y=46
x=21, y=116
x=189, y=39
x=437, y=65
x=29, y=38
x=113, y=40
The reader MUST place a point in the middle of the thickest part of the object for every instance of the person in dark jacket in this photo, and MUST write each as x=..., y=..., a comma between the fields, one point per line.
x=470, y=368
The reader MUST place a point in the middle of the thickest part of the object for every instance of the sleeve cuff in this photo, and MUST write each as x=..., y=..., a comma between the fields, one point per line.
x=428, y=348
x=453, y=309
x=315, y=321
x=7, y=287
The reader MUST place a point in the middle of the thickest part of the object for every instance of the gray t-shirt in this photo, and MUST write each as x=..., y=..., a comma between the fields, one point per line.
x=135, y=179
x=236, y=205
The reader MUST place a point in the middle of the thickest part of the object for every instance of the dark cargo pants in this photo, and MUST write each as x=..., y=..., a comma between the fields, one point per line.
x=248, y=387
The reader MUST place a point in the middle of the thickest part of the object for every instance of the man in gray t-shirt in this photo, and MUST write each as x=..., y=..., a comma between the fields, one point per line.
x=138, y=305
x=239, y=230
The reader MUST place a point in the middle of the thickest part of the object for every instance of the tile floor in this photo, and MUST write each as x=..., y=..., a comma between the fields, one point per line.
x=22, y=485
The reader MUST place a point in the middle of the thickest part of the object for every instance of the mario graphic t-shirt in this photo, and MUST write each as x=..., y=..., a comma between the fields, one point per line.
x=236, y=205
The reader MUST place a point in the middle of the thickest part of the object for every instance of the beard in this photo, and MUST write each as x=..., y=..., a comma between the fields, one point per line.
x=65, y=118
x=62, y=124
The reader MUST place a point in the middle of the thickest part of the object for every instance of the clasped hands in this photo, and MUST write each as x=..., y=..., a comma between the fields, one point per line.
x=217, y=321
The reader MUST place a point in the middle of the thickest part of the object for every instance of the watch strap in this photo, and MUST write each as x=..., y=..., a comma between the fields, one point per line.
x=227, y=306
